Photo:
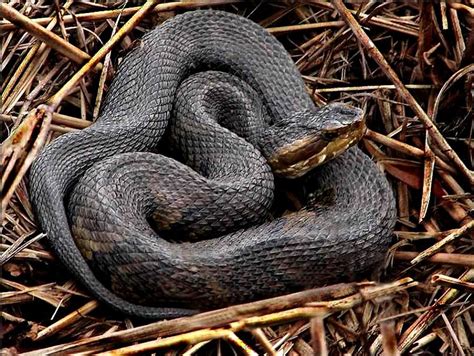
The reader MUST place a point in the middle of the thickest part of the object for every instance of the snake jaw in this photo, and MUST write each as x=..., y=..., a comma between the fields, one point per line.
x=298, y=158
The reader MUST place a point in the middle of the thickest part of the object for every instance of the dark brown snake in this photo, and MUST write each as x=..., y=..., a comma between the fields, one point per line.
x=118, y=194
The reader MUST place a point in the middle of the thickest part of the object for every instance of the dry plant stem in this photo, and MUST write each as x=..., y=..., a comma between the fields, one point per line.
x=43, y=114
x=422, y=342
x=389, y=339
x=56, y=99
x=217, y=317
x=103, y=77
x=193, y=349
x=190, y=338
x=428, y=171
x=67, y=320
x=374, y=20
x=22, y=84
x=367, y=87
x=19, y=70
x=53, y=40
x=37, y=48
x=442, y=280
x=70, y=121
x=459, y=6
x=454, y=259
x=346, y=295
x=453, y=79
x=460, y=45
x=309, y=26
x=28, y=254
x=453, y=334
x=405, y=148
x=416, y=235
x=264, y=342
x=39, y=292
x=42, y=83
x=60, y=119
x=85, y=17
x=18, y=246
x=433, y=131
x=291, y=332
x=52, y=127
x=424, y=321
x=108, y=14
x=240, y=344
x=318, y=337
x=15, y=145
x=311, y=310
x=457, y=189
x=440, y=244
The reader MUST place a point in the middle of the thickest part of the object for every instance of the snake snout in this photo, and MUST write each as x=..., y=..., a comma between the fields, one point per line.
x=323, y=135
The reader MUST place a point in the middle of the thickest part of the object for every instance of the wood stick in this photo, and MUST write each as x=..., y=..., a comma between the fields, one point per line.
x=442, y=280
x=216, y=318
x=373, y=51
x=49, y=37
x=440, y=244
x=455, y=259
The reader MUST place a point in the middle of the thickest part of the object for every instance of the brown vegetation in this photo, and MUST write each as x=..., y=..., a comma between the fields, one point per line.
x=409, y=64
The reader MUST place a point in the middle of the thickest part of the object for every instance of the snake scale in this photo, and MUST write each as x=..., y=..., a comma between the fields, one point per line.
x=211, y=78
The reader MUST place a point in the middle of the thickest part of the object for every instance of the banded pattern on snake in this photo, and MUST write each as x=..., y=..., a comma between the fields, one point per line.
x=115, y=190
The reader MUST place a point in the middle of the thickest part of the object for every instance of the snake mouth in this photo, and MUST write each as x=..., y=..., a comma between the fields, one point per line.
x=298, y=158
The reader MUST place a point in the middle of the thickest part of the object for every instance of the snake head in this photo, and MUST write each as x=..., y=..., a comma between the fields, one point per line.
x=311, y=138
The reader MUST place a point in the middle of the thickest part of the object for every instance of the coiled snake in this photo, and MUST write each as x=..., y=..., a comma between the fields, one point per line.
x=115, y=191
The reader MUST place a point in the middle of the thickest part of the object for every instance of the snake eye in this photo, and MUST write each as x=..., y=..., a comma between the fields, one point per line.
x=329, y=135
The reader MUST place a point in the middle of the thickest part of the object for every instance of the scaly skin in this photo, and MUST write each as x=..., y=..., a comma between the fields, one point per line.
x=323, y=243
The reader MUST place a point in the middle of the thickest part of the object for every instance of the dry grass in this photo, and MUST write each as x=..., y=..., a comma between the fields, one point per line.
x=409, y=64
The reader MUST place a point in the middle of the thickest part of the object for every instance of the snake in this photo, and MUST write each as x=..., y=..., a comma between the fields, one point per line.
x=161, y=235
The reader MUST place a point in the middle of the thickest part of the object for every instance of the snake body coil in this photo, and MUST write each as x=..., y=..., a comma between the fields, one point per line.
x=115, y=188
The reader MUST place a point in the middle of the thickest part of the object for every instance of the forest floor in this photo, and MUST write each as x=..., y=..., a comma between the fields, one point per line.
x=409, y=65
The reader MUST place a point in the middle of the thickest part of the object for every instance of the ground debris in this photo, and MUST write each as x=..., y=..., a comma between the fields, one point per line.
x=408, y=64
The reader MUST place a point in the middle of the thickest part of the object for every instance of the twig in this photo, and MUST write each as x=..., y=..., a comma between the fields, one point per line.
x=368, y=87
x=454, y=259
x=71, y=123
x=67, y=320
x=318, y=338
x=53, y=40
x=453, y=334
x=428, y=170
x=404, y=148
x=442, y=280
x=403, y=91
x=241, y=345
x=56, y=99
x=453, y=79
x=422, y=342
x=33, y=60
x=206, y=325
x=389, y=339
x=15, y=147
x=68, y=19
x=18, y=246
x=34, y=292
x=437, y=246
x=417, y=235
x=42, y=115
x=304, y=27
x=111, y=14
x=425, y=320
x=374, y=20
x=311, y=310
x=263, y=341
